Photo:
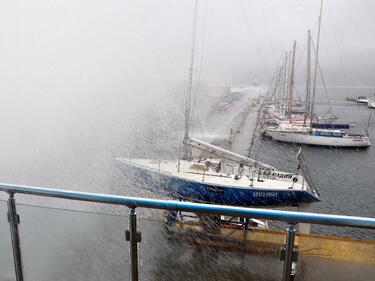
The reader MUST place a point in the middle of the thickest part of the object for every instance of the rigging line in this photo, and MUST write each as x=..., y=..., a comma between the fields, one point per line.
x=268, y=34
x=164, y=18
x=323, y=81
x=285, y=82
x=186, y=150
x=256, y=127
x=368, y=123
x=273, y=81
x=252, y=34
x=198, y=82
x=297, y=93
x=338, y=49
x=316, y=62
x=301, y=56
x=200, y=125
x=305, y=46
x=258, y=117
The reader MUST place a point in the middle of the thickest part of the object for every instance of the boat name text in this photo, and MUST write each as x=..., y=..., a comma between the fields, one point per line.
x=282, y=175
x=263, y=194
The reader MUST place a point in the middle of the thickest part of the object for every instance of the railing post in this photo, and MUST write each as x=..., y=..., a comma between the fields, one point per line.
x=289, y=249
x=133, y=237
x=14, y=220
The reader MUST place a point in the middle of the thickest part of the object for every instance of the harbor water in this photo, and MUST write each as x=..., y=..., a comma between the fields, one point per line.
x=344, y=177
x=58, y=244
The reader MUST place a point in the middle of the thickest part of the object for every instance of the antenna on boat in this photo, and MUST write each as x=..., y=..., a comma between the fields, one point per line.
x=316, y=65
x=186, y=149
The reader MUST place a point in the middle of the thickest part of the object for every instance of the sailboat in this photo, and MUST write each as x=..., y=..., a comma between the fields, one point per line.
x=225, y=178
x=310, y=133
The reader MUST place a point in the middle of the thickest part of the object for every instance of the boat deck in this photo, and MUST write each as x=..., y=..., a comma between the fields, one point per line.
x=279, y=180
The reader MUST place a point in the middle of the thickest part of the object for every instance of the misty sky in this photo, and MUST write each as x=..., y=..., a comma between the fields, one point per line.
x=69, y=44
x=76, y=77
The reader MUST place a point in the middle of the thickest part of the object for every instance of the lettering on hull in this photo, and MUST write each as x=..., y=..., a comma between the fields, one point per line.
x=265, y=194
x=282, y=175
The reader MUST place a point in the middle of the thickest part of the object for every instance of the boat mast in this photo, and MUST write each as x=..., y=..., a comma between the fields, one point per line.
x=308, y=80
x=287, y=83
x=284, y=82
x=291, y=83
x=316, y=65
x=186, y=149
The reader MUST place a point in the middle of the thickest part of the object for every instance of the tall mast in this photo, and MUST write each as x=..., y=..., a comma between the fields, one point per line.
x=286, y=94
x=284, y=83
x=308, y=80
x=186, y=149
x=291, y=83
x=316, y=65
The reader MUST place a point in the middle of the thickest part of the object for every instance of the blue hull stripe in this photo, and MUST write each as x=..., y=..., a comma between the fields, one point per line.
x=179, y=188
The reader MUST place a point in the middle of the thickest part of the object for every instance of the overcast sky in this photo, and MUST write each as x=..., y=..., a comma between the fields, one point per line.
x=76, y=43
x=75, y=74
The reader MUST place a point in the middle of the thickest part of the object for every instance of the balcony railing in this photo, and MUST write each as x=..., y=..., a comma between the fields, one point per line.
x=133, y=236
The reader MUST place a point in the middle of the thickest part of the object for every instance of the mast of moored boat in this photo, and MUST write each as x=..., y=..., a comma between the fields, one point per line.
x=284, y=83
x=316, y=65
x=308, y=80
x=291, y=83
x=186, y=149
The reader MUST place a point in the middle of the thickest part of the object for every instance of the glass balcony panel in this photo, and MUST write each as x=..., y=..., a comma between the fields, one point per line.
x=165, y=257
x=69, y=245
x=314, y=268
x=6, y=256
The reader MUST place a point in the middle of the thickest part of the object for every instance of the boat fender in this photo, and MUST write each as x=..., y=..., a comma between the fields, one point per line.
x=295, y=179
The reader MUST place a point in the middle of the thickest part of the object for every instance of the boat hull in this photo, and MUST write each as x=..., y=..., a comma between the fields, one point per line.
x=308, y=139
x=200, y=191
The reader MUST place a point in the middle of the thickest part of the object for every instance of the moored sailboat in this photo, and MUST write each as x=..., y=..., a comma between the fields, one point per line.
x=309, y=132
x=223, y=178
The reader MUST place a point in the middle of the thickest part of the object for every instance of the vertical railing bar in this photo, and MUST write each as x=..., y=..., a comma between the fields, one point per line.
x=289, y=246
x=134, y=274
x=13, y=220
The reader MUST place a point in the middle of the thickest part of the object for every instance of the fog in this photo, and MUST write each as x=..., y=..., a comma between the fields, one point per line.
x=84, y=81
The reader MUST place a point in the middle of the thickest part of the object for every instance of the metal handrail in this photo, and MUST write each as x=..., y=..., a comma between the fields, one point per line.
x=133, y=202
x=134, y=237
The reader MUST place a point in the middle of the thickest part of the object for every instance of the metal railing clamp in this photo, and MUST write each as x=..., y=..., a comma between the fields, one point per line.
x=282, y=253
x=138, y=236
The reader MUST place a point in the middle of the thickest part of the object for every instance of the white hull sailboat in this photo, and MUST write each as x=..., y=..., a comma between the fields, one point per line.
x=226, y=178
x=308, y=132
x=320, y=138
x=237, y=180
x=362, y=100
